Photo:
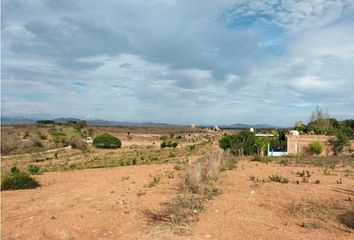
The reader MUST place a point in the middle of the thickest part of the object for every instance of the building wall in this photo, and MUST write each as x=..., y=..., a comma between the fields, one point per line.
x=299, y=144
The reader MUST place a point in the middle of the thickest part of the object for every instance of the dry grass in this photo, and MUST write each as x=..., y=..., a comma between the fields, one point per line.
x=196, y=187
x=178, y=213
x=324, y=212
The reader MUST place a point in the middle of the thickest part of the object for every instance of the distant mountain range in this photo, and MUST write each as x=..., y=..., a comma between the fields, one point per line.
x=99, y=122
x=241, y=126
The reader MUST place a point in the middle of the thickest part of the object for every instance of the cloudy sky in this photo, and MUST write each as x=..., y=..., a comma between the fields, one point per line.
x=178, y=61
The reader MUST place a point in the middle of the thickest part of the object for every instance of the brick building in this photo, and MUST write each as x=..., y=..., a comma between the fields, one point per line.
x=299, y=144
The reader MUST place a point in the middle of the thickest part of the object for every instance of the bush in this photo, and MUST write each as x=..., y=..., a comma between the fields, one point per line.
x=9, y=142
x=107, y=141
x=163, y=145
x=202, y=172
x=32, y=169
x=278, y=178
x=18, y=180
x=168, y=144
x=316, y=148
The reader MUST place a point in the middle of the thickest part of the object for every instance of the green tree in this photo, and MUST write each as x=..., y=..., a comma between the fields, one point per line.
x=300, y=126
x=241, y=144
x=107, y=141
x=339, y=142
x=320, y=122
x=261, y=144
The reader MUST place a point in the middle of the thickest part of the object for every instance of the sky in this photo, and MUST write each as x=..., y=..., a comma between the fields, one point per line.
x=178, y=61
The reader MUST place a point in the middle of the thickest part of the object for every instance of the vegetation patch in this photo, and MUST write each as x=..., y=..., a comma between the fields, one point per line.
x=179, y=213
x=107, y=141
x=33, y=169
x=315, y=148
x=196, y=188
x=168, y=144
x=278, y=178
x=347, y=219
x=18, y=180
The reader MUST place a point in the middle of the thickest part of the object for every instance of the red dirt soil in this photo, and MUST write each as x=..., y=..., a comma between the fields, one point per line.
x=104, y=204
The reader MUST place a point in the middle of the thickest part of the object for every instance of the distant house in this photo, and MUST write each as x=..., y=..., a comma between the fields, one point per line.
x=264, y=135
x=88, y=140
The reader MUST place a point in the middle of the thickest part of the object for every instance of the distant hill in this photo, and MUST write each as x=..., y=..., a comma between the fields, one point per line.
x=15, y=120
x=243, y=126
x=97, y=122
x=100, y=122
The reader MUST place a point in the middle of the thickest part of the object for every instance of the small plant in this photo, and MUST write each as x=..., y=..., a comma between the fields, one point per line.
x=304, y=173
x=125, y=178
x=140, y=193
x=339, y=181
x=32, y=169
x=258, y=158
x=155, y=181
x=171, y=154
x=177, y=167
x=348, y=199
x=18, y=180
x=252, y=178
x=284, y=162
x=315, y=148
x=192, y=147
x=43, y=137
x=326, y=172
x=27, y=135
x=171, y=175
x=317, y=181
x=332, y=166
x=278, y=178
x=313, y=225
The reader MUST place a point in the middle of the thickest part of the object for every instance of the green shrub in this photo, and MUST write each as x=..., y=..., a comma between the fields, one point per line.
x=278, y=178
x=107, y=141
x=32, y=169
x=171, y=154
x=15, y=170
x=43, y=137
x=168, y=144
x=316, y=147
x=163, y=145
x=18, y=180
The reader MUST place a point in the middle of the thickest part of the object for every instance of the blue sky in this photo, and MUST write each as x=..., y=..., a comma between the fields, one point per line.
x=206, y=62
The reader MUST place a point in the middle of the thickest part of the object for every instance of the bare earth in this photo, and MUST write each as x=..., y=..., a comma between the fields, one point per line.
x=108, y=204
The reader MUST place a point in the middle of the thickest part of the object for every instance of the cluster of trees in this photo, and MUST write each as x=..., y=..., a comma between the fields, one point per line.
x=246, y=143
x=322, y=123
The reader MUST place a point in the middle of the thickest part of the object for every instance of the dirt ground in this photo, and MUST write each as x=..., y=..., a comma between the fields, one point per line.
x=109, y=204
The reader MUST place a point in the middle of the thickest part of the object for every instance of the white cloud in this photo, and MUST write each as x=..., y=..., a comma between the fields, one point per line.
x=177, y=61
x=290, y=15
